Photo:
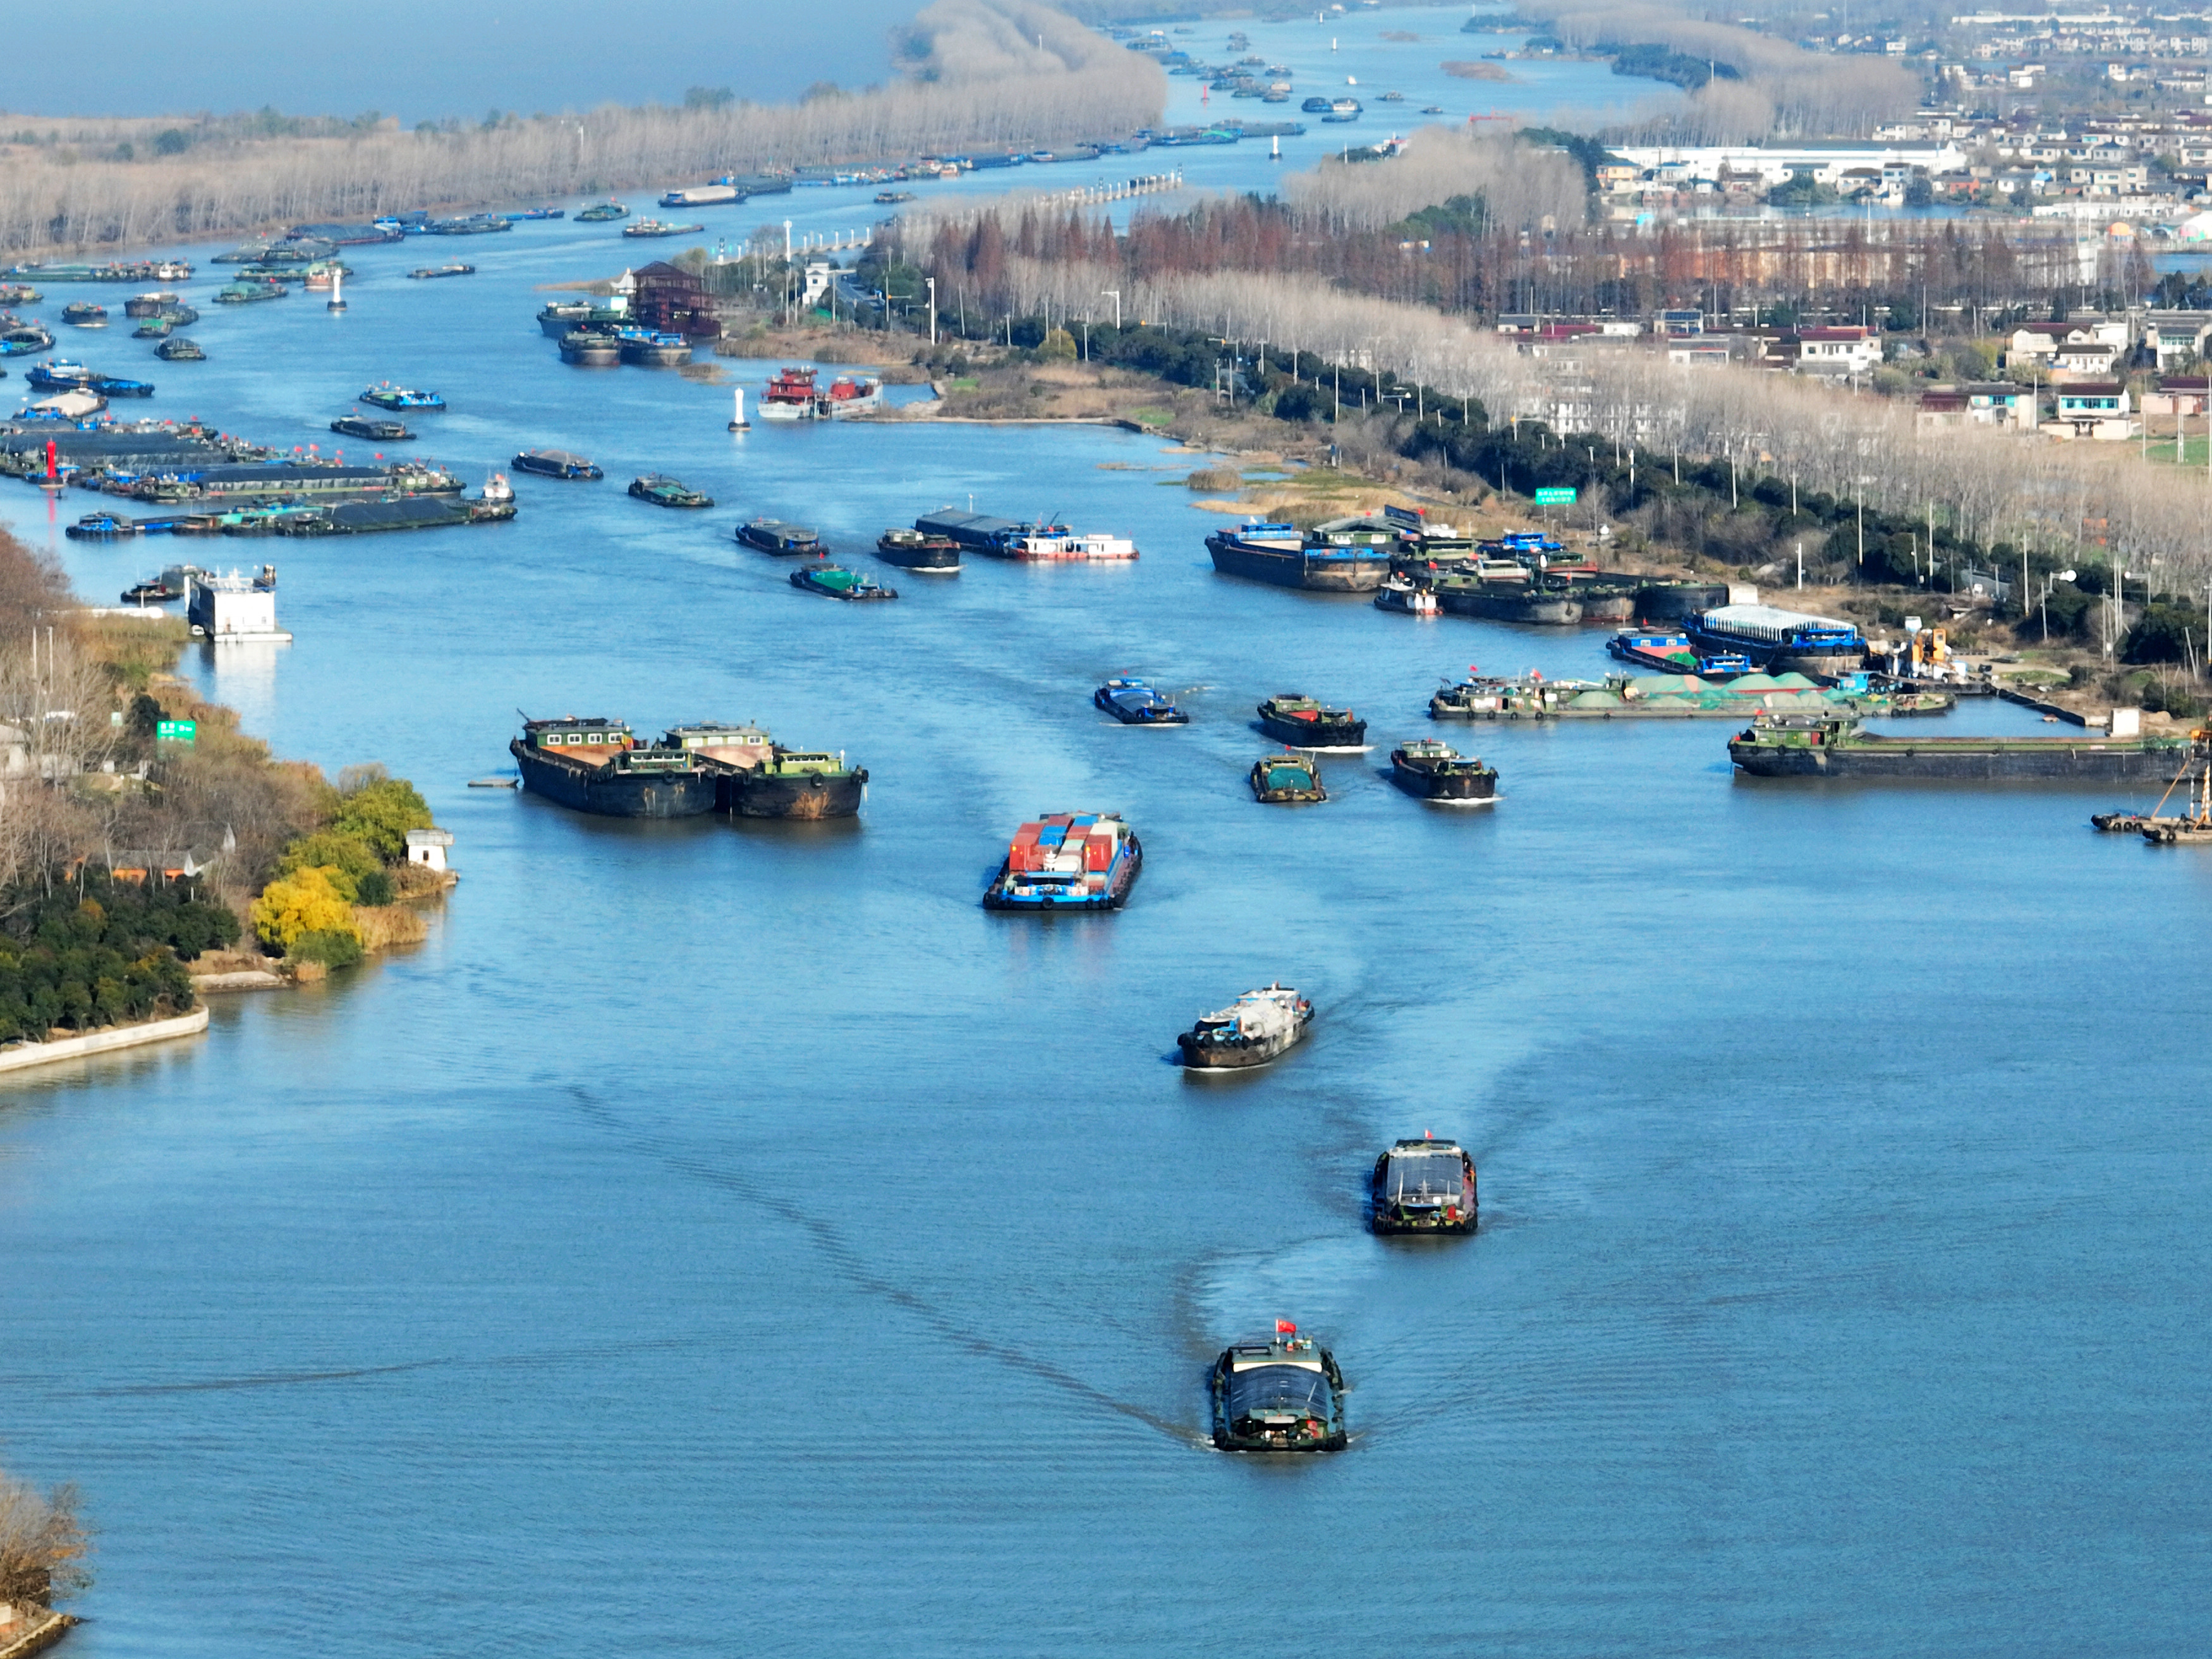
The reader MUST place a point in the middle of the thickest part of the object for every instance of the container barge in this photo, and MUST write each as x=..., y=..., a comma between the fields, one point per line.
x=1067, y=861
x=597, y=766
x=1798, y=746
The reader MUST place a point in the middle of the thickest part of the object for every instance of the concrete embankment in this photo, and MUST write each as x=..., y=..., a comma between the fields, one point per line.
x=27, y=1054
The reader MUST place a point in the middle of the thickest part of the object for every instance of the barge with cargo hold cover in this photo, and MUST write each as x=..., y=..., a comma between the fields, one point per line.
x=1348, y=556
x=1258, y=1027
x=794, y=783
x=1422, y=1186
x=598, y=766
x=1802, y=746
x=1278, y=1393
x=1067, y=861
x=1778, y=641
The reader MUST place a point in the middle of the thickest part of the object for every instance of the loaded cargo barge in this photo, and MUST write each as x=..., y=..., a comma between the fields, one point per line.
x=1779, y=641
x=1800, y=746
x=1067, y=861
x=597, y=766
x=1347, y=557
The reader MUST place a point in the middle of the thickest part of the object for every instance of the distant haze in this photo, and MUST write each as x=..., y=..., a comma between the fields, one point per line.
x=422, y=60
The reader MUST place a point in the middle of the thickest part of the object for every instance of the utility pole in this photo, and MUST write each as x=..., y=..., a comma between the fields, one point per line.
x=1115, y=295
x=931, y=281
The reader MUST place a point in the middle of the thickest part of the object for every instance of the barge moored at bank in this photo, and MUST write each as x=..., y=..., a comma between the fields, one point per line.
x=1348, y=556
x=1422, y=1186
x=1259, y=1027
x=597, y=766
x=1812, y=746
x=1067, y=861
x=1278, y=1393
x=1779, y=641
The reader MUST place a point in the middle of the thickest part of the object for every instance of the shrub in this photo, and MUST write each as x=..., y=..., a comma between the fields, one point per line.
x=346, y=854
x=331, y=947
x=373, y=888
x=381, y=813
x=68, y=958
x=1058, y=343
x=306, y=900
x=1216, y=477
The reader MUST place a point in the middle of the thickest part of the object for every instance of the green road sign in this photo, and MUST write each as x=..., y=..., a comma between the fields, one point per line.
x=176, y=731
x=1555, y=498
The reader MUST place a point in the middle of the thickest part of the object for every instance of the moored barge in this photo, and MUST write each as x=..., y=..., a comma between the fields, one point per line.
x=1347, y=557
x=598, y=766
x=1779, y=641
x=1257, y=1028
x=794, y=783
x=1802, y=746
x=1067, y=861
x=911, y=550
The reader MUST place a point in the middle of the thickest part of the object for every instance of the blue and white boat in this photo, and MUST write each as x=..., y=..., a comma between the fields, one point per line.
x=1133, y=702
x=1669, y=652
x=388, y=396
x=1067, y=861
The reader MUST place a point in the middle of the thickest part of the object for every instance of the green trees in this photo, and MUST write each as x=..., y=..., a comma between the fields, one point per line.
x=95, y=951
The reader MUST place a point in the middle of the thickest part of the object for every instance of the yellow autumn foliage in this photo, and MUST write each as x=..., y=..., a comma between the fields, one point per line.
x=307, y=901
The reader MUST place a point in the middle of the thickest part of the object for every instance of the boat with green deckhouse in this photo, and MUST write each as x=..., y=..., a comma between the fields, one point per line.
x=597, y=765
x=665, y=491
x=396, y=398
x=835, y=582
x=794, y=783
x=1289, y=780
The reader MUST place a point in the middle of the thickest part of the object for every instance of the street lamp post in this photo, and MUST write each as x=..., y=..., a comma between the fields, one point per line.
x=931, y=281
x=1115, y=295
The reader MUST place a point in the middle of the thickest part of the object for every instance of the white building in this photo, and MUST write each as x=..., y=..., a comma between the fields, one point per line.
x=1686, y=166
x=233, y=608
x=427, y=848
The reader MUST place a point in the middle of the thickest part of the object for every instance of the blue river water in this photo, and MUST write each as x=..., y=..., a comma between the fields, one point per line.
x=729, y=1238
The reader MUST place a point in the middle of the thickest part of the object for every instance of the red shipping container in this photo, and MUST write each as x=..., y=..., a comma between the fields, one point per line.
x=1098, y=853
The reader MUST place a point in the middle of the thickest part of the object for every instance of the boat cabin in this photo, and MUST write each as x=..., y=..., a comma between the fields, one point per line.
x=734, y=745
x=594, y=741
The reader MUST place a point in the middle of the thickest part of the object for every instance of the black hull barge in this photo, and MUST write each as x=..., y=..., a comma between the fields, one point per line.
x=792, y=783
x=596, y=766
x=1810, y=747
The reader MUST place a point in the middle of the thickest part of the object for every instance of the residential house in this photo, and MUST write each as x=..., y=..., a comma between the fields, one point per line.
x=2176, y=396
x=1838, y=351
x=2087, y=360
x=2091, y=409
x=2039, y=342
x=1996, y=403
x=2174, y=334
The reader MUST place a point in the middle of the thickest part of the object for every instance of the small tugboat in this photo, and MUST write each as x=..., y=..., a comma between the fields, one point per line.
x=600, y=213
x=911, y=549
x=180, y=348
x=1300, y=722
x=1422, y=1186
x=556, y=464
x=664, y=491
x=1067, y=861
x=427, y=273
x=796, y=783
x=103, y=527
x=1278, y=1393
x=1133, y=702
x=155, y=590
x=368, y=427
x=1409, y=597
x=835, y=582
x=1257, y=1028
x=597, y=766
x=1434, y=771
x=655, y=228
x=1287, y=780
x=589, y=349
x=82, y=313
x=395, y=397
x=774, y=536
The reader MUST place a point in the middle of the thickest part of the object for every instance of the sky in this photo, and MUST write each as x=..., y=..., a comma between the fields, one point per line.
x=428, y=59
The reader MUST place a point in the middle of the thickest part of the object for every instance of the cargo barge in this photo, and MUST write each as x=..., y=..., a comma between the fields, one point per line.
x=1301, y=722
x=1422, y=1185
x=1133, y=702
x=1067, y=861
x=911, y=551
x=1434, y=771
x=1278, y=1393
x=793, y=783
x=1287, y=780
x=597, y=766
x=1516, y=599
x=1259, y=1027
x=1800, y=746
x=1345, y=556
x=1779, y=641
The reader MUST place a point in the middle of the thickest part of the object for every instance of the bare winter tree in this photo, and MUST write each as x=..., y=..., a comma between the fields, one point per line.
x=46, y=1548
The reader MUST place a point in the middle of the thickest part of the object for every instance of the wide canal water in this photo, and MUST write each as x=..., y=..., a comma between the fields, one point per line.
x=729, y=1238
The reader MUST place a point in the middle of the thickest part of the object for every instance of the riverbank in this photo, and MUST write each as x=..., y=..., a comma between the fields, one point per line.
x=107, y=1039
